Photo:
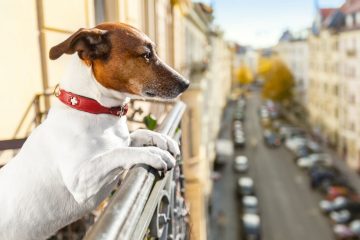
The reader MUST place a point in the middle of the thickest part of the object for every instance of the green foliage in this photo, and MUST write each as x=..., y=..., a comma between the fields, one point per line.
x=150, y=122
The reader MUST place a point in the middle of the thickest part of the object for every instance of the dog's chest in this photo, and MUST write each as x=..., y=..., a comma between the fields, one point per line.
x=94, y=133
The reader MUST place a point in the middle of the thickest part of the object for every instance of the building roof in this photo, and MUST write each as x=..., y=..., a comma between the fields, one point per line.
x=334, y=18
x=350, y=6
x=326, y=12
x=335, y=21
x=293, y=36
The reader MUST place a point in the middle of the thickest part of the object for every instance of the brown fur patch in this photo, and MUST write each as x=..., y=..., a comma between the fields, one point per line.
x=131, y=65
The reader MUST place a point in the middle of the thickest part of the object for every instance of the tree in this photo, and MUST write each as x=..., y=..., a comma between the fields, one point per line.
x=278, y=80
x=264, y=65
x=244, y=75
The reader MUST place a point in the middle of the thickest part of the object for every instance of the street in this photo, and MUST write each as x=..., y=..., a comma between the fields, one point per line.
x=288, y=207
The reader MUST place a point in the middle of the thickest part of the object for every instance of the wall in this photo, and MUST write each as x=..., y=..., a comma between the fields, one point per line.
x=20, y=69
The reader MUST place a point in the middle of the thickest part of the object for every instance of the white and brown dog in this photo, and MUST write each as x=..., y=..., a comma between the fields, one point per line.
x=72, y=161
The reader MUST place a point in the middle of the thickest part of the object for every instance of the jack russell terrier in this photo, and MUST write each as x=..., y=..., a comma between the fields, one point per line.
x=72, y=161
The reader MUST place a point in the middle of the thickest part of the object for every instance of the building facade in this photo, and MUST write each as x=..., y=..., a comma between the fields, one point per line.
x=333, y=79
x=293, y=49
x=349, y=48
x=323, y=94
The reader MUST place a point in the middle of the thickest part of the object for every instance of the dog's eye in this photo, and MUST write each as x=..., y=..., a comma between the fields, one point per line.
x=147, y=56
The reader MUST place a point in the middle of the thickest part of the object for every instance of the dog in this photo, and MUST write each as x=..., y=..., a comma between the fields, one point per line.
x=72, y=161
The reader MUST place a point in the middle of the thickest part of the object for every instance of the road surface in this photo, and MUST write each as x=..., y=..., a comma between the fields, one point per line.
x=289, y=208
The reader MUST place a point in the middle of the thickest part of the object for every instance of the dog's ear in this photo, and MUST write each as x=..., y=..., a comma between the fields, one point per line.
x=88, y=43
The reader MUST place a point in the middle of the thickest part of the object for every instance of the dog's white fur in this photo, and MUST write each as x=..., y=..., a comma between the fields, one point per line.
x=72, y=161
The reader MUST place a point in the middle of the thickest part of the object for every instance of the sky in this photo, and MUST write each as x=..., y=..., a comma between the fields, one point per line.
x=259, y=23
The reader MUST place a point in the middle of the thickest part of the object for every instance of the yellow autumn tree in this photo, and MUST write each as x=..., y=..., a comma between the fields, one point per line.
x=264, y=65
x=278, y=80
x=244, y=75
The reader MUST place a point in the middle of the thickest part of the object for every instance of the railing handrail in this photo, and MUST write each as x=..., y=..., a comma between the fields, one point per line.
x=120, y=220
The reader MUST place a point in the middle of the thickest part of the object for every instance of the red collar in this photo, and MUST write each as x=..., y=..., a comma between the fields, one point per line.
x=89, y=105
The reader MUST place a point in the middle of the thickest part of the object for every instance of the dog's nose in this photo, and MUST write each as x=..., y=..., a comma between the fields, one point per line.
x=184, y=84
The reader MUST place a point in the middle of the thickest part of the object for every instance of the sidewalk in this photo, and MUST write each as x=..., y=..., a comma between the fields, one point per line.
x=351, y=175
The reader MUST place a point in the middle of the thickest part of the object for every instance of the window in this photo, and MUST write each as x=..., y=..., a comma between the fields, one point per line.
x=352, y=99
x=349, y=20
x=105, y=11
x=357, y=18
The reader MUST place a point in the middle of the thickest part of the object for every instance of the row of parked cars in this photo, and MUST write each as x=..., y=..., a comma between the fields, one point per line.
x=250, y=213
x=340, y=201
x=238, y=126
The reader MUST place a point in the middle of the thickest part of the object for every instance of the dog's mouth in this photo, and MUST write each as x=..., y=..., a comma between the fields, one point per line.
x=150, y=94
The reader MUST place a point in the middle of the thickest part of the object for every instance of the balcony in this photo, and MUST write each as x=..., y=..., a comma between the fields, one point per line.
x=146, y=204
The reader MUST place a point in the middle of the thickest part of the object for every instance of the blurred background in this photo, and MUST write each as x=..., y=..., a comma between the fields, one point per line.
x=271, y=133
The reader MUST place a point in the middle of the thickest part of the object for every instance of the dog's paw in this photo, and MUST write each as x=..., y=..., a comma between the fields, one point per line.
x=143, y=137
x=155, y=157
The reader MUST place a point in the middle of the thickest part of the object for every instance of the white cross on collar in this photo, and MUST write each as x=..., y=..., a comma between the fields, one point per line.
x=74, y=101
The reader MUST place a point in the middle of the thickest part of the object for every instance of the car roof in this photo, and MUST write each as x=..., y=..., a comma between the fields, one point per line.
x=251, y=219
x=241, y=159
x=245, y=181
x=250, y=200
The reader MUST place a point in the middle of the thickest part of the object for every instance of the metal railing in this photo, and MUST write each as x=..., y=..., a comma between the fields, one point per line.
x=148, y=205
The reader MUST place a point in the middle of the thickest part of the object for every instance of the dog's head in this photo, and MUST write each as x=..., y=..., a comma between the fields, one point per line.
x=123, y=59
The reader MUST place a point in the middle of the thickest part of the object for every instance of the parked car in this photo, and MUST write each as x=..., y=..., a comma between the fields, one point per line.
x=315, y=169
x=250, y=204
x=320, y=173
x=271, y=139
x=238, y=126
x=224, y=151
x=264, y=113
x=241, y=164
x=251, y=226
x=328, y=206
x=239, y=115
x=309, y=147
x=313, y=146
x=301, y=151
x=316, y=158
x=239, y=139
x=245, y=186
x=348, y=232
x=241, y=103
x=286, y=132
x=294, y=143
x=341, y=216
x=349, y=212
x=338, y=191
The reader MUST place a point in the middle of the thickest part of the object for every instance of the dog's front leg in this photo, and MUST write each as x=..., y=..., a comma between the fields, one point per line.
x=86, y=180
x=143, y=137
